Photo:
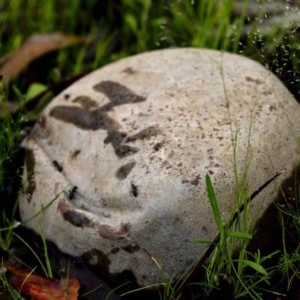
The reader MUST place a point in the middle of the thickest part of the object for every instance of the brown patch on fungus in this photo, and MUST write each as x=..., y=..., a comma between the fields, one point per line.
x=117, y=94
x=146, y=133
x=75, y=218
x=116, y=138
x=87, y=118
x=75, y=153
x=82, y=118
x=196, y=180
x=99, y=258
x=67, y=96
x=124, y=170
x=255, y=80
x=129, y=70
x=73, y=215
x=158, y=146
x=85, y=102
x=108, y=232
x=131, y=248
x=115, y=250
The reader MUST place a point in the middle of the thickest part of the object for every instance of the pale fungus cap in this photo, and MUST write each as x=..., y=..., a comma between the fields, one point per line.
x=122, y=155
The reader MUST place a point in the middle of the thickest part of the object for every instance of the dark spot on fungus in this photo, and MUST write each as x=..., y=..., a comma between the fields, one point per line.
x=117, y=94
x=133, y=189
x=82, y=118
x=266, y=93
x=129, y=70
x=75, y=218
x=158, y=146
x=30, y=163
x=143, y=134
x=72, y=215
x=108, y=232
x=204, y=229
x=196, y=180
x=115, y=138
x=66, y=96
x=57, y=166
x=124, y=170
x=95, y=256
x=131, y=248
x=250, y=79
x=123, y=134
x=95, y=119
x=75, y=153
x=85, y=102
x=114, y=250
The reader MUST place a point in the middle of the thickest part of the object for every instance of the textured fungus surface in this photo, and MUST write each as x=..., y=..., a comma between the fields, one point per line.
x=123, y=153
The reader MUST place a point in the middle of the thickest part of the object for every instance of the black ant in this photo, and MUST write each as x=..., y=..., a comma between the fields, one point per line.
x=72, y=192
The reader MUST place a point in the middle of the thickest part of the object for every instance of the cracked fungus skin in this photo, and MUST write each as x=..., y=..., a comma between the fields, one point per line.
x=122, y=155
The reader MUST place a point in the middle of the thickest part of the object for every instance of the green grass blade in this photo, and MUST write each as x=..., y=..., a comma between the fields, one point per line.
x=255, y=266
x=201, y=241
x=240, y=235
x=34, y=253
x=214, y=204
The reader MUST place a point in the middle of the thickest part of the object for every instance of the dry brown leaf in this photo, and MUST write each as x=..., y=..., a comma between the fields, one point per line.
x=40, y=288
x=33, y=48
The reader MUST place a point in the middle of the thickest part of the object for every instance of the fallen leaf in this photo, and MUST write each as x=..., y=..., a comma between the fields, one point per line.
x=41, y=288
x=33, y=48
